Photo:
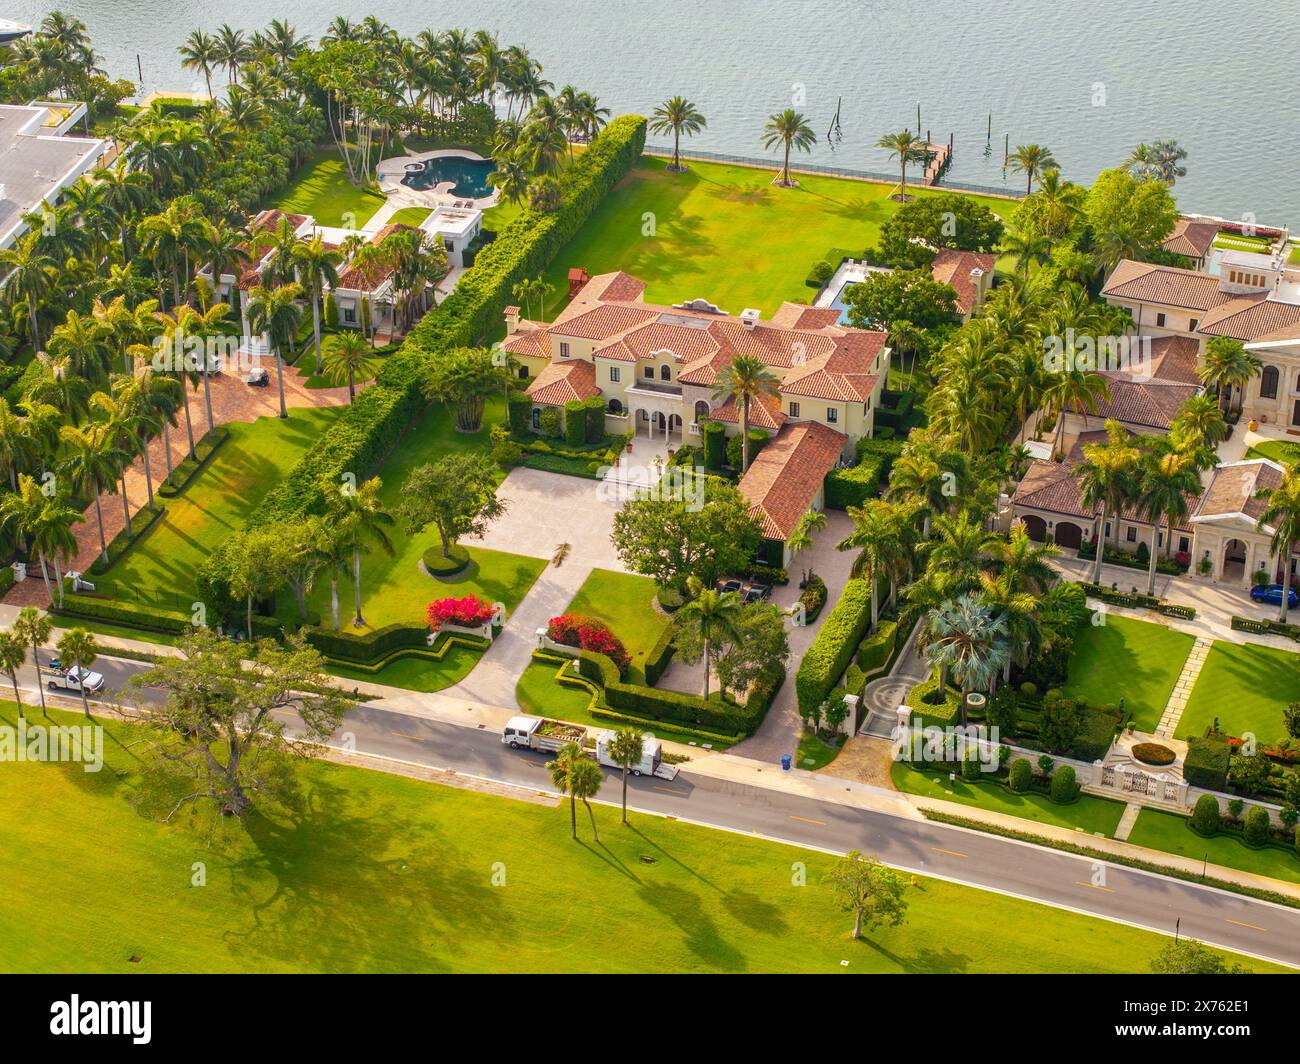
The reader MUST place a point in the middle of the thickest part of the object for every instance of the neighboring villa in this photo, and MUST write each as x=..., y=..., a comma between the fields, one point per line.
x=1145, y=395
x=968, y=273
x=1192, y=239
x=655, y=369
x=38, y=160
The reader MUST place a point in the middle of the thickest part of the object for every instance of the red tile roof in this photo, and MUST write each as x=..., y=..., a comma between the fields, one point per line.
x=783, y=480
x=1145, y=282
x=763, y=414
x=1191, y=238
x=954, y=268
x=560, y=382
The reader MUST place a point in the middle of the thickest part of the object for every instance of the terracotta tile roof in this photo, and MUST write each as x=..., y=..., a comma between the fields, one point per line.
x=1054, y=488
x=953, y=268
x=764, y=414
x=1250, y=318
x=685, y=344
x=368, y=280
x=1232, y=489
x=1191, y=238
x=528, y=339
x=560, y=382
x=1145, y=282
x=783, y=480
x=616, y=287
x=1174, y=359
x=1150, y=404
x=802, y=316
x=602, y=321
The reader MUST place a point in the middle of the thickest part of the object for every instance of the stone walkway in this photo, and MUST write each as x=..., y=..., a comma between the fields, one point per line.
x=885, y=694
x=1183, y=688
x=1126, y=822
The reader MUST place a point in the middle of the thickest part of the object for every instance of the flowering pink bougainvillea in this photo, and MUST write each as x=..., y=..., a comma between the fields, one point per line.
x=468, y=612
x=588, y=633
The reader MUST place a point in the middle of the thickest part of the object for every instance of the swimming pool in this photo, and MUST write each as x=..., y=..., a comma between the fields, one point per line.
x=469, y=176
x=838, y=302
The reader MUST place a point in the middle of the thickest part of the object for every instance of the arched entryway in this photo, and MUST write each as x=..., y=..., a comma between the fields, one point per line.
x=1068, y=535
x=1234, y=561
x=1036, y=527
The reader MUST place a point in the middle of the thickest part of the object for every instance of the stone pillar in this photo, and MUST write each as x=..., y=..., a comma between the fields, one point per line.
x=849, y=726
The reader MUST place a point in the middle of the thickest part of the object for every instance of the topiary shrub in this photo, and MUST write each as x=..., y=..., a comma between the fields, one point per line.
x=715, y=445
x=1064, y=788
x=1206, y=816
x=1153, y=754
x=595, y=419
x=1207, y=763
x=1255, y=827
x=549, y=422
x=331, y=311
x=822, y=271
x=521, y=413
x=757, y=440
x=970, y=765
x=575, y=423
x=1020, y=775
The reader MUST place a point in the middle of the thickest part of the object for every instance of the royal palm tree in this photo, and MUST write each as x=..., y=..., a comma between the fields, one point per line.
x=91, y=461
x=882, y=535
x=13, y=656
x=185, y=324
x=916, y=479
x=1228, y=367
x=78, y=649
x=1108, y=478
x=785, y=130
x=30, y=274
x=626, y=749
x=1281, y=520
x=1199, y=424
x=677, y=115
x=359, y=514
x=1169, y=481
x=318, y=266
x=275, y=311
x=1078, y=391
x=46, y=522
x=348, y=356
x=34, y=628
x=745, y=380
x=713, y=616
x=532, y=292
x=1031, y=160
x=906, y=147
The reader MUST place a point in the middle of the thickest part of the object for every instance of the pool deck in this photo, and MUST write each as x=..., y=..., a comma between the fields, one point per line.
x=390, y=172
x=850, y=272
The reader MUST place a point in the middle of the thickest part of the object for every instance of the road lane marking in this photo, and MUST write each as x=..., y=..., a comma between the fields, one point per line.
x=403, y=735
x=807, y=821
x=1094, y=886
x=950, y=853
x=1253, y=927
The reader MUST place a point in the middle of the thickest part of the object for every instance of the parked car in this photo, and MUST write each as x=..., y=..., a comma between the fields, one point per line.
x=729, y=583
x=1272, y=594
x=74, y=679
x=257, y=378
x=755, y=592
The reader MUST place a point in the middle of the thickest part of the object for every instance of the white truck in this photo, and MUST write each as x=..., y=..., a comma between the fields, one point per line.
x=75, y=679
x=539, y=733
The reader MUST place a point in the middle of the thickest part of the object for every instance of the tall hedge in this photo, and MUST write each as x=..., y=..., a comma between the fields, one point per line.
x=575, y=423
x=834, y=646
x=1206, y=765
x=595, y=419
x=520, y=410
x=715, y=445
x=371, y=426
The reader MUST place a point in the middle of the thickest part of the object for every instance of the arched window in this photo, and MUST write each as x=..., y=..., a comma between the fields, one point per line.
x=665, y=373
x=615, y=407
x=701, y=410
x=1268, y=383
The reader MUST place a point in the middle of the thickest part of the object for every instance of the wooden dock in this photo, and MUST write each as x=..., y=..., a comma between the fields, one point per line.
x=940, y=156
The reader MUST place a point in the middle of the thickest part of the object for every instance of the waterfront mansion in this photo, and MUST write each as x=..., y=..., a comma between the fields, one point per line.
x=656, y=367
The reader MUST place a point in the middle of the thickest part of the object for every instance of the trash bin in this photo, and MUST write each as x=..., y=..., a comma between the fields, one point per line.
x=785, y=762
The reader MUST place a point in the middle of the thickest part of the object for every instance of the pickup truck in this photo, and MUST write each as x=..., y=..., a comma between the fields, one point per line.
x=75, y=679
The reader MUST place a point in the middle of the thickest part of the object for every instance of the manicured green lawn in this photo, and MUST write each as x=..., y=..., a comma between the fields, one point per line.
x=216, y=504
x=394, y=589
x=1089, y=813
x=1283, y=451
x=1134, y=660
x=724, y=233
x=1170, y=832
x=1246, y=686
x=321, y=188
x=815, y=752
x=625, y=602
x=410, y=216
x=416, y=673
x=383, y=873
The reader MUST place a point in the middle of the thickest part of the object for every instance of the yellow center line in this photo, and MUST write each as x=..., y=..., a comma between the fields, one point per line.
x=950, y=853
x=1094, y=886
x=1253, y=927
x=403, y=735
x=807, y=821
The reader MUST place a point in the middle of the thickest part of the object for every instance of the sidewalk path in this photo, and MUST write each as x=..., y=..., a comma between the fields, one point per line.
x=1183, y=688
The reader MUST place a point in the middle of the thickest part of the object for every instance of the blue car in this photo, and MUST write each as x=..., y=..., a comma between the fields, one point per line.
x=1272, y=594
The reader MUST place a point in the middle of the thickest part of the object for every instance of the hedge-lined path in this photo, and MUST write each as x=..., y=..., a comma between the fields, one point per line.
x=885, y=694
x=1183, y=688
x=232, y=400
x=781, y=728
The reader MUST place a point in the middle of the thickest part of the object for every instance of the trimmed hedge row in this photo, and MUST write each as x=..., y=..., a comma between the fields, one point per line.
x=1250, y=624
x=875, y=651
x=444, y=643
x=657, y=660
x=1206, y=764
x=115, y=612
x=835, y=645
x=189, y=468
x=363, y=649
x=141, y=522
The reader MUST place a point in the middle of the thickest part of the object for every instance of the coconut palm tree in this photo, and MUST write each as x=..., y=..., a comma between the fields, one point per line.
x=578, y=776
x=967, y=639
x=906, y=147
x=78, y=648
x=1169, y=481
x=532, y=293
x=233, y=50
x=1031, y=160
x=1228, y=367
x=1199, y=424
x=677, y=115
x=917, y=480
x=200, y=52
x=801, y=538
x=882, y=535
x=1108, y=478
x=745, y=379
x=1079, y=391
x=1028, y=249
x=785, y=130
x=626, y=749
x=19, y=448
x=1026, y=564
x=30, y=273
x=317, y=266
x=348, y=356
x=511, y=176
x=712, y=616
x=46, y=522
x=275, y=311
x=1060, y=203
x=91, y=460
x=34, y=628
x=961, y=548
x=359, y=514
x=1281, y=520
x=125, y=194
x=13, y=656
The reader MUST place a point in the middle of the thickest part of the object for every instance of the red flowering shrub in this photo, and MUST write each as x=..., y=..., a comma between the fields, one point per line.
x=587, y=633
x=468, y=612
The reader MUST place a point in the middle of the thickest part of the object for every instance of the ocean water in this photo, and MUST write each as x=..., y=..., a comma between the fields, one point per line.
x=1088, y=80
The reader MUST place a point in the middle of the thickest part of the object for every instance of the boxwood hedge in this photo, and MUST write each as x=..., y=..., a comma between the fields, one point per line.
x=835, y=645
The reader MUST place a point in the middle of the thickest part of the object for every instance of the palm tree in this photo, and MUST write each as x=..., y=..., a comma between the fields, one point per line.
x=966, y=639
x=31, y=273
x=511, y=176
x=916, y=479
x=1199, y=424
x=1028, y=249
x=334, y=551
x=126, y=191
x=318, y=266
x=1281, y=519
x=232, y=51
x=1060, y=203
x=1031, y=160
x=1076, y=390
x=1160, y=160
x=785, y=130
x=360, y=516
x=677, y=115
x=1168, y=479
x=275, y=311
x=532, y=291
x=960, y=549
x=47, y=523
x=18, y=447
x=1019, y=610
x=713, y=616
x=882, y=537
x=200, y=52
x=1227, y=367
x=1108, y=479
x=91, y=461
x=626, y=750
x=34, y=628
x=13, y=656
x=79, y=649
x=187, y=323
x=349, y=355
x=801, y=538
x=576, y=775
x=906, y=147
x=745, y=379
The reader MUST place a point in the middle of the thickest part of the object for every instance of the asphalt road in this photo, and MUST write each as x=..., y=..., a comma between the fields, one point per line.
x=1114, y=892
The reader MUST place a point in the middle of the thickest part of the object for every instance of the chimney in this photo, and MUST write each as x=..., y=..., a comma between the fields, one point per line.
x=749, y=317
x=512, y=320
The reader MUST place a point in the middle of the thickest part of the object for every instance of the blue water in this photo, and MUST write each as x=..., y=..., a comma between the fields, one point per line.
x=839, y=304
x=470, y=175
x=1090, y=80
